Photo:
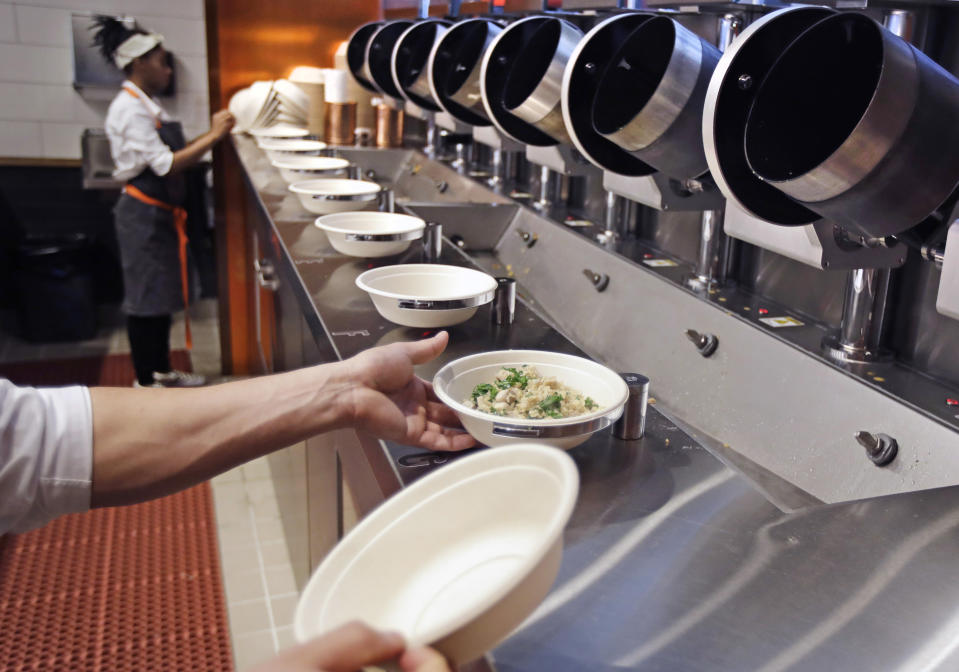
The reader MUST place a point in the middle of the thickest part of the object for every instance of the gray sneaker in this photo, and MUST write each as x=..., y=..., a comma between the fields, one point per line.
x=179, y=379
x=137, y=385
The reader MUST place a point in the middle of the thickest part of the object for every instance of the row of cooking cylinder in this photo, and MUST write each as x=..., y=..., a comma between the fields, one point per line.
x=808, y=113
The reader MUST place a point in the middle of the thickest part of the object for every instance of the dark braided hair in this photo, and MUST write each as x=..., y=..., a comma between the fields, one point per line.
x=110, y=34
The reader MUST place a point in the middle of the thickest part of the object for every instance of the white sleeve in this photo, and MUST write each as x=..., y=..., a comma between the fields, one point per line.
x=143, y=146
x=46, y=454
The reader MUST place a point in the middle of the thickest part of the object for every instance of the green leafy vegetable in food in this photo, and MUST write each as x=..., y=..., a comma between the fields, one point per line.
x=516, y=377
x=484, y=388
x=551, y=405
x=590, y=404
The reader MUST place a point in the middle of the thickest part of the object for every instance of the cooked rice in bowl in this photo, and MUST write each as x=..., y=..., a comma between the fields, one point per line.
x=521, y=392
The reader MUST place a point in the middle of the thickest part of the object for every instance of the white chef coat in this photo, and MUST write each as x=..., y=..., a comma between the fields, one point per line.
x=132, y=131
x=46, y=454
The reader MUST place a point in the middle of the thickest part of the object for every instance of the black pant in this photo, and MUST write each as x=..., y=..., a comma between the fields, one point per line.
x=149, y=345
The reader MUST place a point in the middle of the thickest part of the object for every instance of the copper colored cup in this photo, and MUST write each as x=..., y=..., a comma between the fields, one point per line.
x=389, y=126
x=340, y=123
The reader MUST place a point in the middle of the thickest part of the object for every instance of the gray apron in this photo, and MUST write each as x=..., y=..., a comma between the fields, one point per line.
x=147, y=238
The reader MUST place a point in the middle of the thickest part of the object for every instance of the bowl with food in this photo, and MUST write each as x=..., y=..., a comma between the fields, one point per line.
x=301, y=168
x=457, y=560
x=328, y=195
x=370, y=234
x=514, y=396
x=427, y=295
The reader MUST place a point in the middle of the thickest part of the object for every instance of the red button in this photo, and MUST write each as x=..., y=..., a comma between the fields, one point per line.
x=763, y=311
x=952, y=402
x=647, y=256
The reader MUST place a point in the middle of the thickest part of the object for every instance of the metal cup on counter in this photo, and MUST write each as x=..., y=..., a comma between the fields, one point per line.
x=389, y=126
x=632, y=423
x=432, y=242
x=503, y=308
x=340, y=111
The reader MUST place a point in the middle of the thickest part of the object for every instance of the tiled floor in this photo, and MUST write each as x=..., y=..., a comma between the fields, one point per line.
x=260, y=591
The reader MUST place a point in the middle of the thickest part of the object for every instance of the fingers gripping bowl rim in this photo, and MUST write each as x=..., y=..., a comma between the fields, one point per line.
x=454, y=382
x=488, y=543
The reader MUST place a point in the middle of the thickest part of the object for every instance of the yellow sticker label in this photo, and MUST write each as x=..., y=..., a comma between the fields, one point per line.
x=778, y=322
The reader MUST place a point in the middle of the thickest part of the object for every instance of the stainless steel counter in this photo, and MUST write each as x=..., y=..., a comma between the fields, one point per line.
x=676, y=557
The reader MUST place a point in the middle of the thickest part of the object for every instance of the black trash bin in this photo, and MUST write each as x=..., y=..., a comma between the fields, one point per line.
x=54, y=289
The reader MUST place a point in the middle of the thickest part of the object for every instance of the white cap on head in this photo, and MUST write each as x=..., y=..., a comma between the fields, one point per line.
x=135, y=46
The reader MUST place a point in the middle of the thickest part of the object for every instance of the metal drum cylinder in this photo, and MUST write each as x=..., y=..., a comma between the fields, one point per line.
x=534, y=85
x=410, y=62
x=379, y=57
x=650, y=98
x=356, y=54
x=454, y=69
x=522, y=77
x=858, y=126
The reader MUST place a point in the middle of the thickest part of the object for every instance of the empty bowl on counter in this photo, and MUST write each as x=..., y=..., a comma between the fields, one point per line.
x=301, y=168
x=278, y=149
x=457, y=560
x=454, y=384
x=326, y=196
x=370, y=234
x=427, y=295
x=279, y=132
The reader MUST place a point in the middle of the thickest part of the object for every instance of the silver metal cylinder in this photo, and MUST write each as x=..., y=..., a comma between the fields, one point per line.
x=632, y=424
x=432, y=136
x=902, y=23
x=712, y=261
x=432, y=242
x=864, y=317
x=503, y=308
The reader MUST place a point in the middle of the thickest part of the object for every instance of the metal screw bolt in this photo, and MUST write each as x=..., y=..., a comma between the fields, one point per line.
x=705, y=343
x=881, y=448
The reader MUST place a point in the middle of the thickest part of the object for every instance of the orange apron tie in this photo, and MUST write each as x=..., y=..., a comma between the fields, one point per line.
x=179, y=221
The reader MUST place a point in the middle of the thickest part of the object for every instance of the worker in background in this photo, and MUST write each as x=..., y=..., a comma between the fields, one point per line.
x=151, y=157
x=65, y=450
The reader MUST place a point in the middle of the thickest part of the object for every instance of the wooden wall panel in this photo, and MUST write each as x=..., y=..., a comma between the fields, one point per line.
x=249, y=40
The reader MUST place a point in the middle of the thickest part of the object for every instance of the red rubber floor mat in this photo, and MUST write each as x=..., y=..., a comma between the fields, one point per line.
x=118, y=590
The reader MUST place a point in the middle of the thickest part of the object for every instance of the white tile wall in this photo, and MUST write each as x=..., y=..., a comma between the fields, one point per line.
x=61, y=141
x=21, y=138
x=42, y=25
x=8, y=23
x=41, y=115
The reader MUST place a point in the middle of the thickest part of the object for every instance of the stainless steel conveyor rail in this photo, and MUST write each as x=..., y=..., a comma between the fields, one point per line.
x=674, y=559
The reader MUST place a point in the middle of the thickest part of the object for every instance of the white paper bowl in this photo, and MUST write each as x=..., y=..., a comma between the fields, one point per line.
x=279, y=132
x=370, y=234
x=302, y=168
x=427, y=295
x=326, y=196
x=278, y=149
x=455, y=382
x=457, y=560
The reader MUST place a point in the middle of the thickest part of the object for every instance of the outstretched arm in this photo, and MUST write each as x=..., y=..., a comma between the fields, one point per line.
x=149, y=443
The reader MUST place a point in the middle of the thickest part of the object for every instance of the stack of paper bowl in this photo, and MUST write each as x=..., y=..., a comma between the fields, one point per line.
x=326, y=196
x=456, y=561
x=283, y=148
x=455, y=382
x=301, y=168
x=280, y=132
x=268, y=103
x=427, y=295
x=371, y=234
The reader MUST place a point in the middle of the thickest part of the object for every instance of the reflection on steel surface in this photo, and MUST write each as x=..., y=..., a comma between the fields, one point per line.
x=615, y=555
